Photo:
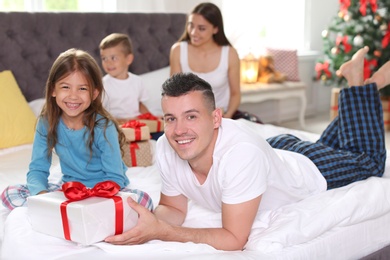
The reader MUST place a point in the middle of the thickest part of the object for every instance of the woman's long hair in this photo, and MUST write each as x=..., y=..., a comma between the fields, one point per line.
x=213, y=15
x=68, y=62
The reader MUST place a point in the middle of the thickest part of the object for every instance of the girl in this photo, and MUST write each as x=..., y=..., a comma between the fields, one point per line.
x=74, y=123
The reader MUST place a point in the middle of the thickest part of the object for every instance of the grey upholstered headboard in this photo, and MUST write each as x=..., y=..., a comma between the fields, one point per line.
x=30, y=42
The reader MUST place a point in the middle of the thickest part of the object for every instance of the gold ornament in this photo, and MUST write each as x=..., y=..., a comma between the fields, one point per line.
x=323, y=77
x=347, y=18
x=341, y=14
x=383, y=27
x=334, y=50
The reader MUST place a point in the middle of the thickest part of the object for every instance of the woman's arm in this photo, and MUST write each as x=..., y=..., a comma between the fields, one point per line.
x=234, y=83
x=174, y=59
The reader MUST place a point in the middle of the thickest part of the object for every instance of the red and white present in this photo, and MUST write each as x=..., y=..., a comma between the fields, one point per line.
x=84, y=215
x=386, y=112
x=334, y=103
x=138, y=154
x=135, y=130
x=154, y=123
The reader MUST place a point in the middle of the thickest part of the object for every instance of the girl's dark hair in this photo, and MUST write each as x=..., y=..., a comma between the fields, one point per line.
x=68, y=62
x=213, y=15
x=181, y=84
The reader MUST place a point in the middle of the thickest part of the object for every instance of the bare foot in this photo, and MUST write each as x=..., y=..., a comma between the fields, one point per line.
x=380, y=77
x=352, y=70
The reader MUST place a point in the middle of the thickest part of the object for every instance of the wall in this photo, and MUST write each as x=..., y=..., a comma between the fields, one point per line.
x=318, y=15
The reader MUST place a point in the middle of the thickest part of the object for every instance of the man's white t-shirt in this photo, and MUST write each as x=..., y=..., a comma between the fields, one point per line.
x=122, y=96
x=244, y=167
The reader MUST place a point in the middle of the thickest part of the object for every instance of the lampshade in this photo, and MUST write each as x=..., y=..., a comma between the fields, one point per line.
x=249, y=69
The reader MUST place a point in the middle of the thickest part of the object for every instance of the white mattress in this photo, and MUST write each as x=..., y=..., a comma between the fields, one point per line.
x=344, y=223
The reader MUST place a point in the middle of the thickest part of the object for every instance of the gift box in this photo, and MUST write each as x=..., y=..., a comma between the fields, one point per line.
x=137, y=153
x=386, y=112
x=334, y=103
x=135, y=130
x=154, y=123
x=85, y=221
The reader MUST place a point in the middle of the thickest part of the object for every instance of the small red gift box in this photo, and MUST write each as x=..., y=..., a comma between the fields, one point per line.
x=386, y=112
x=138, y=154
x=154, y=123
x=82, y=215
x=135, y=130
x=334, y=103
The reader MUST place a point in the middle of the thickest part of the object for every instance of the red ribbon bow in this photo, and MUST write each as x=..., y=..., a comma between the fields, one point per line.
x=75, y=191
x=367, y=67
x=386, y=38
x=137, y=127
x=344, y=5
x=363, y=6
x=133, y=124
x=323, y=67
x=344, y=41
x=147, y=116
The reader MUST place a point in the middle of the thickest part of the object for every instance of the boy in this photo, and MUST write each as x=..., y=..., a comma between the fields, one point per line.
x=124, y=91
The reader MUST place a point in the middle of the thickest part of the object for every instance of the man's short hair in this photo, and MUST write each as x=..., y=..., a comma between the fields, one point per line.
x=182, y=83
x=116, y=39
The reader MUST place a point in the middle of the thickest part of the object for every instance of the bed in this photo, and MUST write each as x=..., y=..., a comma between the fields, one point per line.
x=351, y=222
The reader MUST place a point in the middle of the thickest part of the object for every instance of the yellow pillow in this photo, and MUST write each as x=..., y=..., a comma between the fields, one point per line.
x=17, y=120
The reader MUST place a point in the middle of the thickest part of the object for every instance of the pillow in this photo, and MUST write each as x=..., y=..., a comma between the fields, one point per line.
x=153, y=82
x=285, y=61
x=37, y=105
x=17, y=120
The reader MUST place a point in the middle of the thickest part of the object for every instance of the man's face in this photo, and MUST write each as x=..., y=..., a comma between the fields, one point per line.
x=190, y=127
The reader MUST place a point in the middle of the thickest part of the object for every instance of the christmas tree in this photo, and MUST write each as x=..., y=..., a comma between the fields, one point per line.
x=358, y=23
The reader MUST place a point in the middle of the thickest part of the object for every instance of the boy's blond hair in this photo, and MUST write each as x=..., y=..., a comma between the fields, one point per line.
x=116, y=39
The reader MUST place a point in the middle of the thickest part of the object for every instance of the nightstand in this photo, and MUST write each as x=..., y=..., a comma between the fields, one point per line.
x=259, y=92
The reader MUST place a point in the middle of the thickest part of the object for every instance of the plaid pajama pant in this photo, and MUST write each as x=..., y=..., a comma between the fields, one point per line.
x=16, y=196
x=352, y=147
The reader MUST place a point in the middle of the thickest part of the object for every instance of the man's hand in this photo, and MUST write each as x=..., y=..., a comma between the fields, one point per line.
x=144, y=231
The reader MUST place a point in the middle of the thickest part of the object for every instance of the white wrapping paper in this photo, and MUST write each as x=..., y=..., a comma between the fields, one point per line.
x=90, y=220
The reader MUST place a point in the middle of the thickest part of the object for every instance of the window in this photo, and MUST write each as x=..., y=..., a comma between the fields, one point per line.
x=253, y=25
x=58, y=5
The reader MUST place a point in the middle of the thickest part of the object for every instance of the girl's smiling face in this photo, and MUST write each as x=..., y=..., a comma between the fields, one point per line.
x=72, y=95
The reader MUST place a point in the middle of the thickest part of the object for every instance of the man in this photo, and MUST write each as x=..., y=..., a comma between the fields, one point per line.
x=226, y=167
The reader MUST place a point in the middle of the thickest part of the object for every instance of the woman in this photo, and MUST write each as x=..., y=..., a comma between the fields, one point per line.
x=203, y=49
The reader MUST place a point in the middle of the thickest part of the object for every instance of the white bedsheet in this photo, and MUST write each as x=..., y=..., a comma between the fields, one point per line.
x=344, y=223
